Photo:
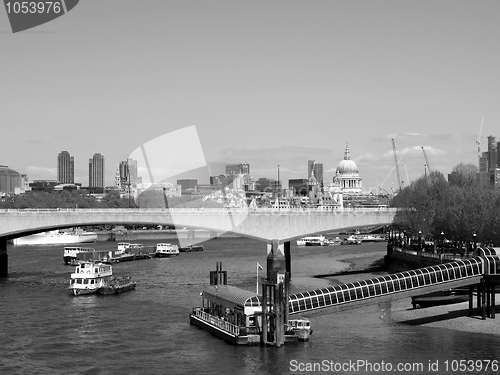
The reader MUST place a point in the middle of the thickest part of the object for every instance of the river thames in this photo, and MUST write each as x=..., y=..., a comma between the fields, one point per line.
x=44, y=330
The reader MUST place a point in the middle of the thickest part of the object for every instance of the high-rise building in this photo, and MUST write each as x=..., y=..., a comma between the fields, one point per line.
x=127, y=174
x=96, y=171
x=318, y=172
x=238, y=168
x=65, y=168
x=489, y=165
x=310, y=167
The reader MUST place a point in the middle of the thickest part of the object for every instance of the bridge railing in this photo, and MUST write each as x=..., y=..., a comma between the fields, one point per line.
x=195, y=210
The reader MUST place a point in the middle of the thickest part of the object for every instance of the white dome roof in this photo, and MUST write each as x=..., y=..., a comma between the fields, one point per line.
x=347, y=166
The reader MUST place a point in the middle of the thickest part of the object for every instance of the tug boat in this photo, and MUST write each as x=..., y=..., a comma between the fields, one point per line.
x=166, y=250
x=92, y=277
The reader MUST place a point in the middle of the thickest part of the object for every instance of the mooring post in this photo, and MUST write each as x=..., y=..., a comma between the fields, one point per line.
x=276, y=272
x=471, y=299
x=478, y=298
x=493, y=301
x=488, y=298
x=483, y=297
x=288, y=259
x=4, y=258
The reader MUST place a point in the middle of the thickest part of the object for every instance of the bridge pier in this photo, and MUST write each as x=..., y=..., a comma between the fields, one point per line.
x=4, y=258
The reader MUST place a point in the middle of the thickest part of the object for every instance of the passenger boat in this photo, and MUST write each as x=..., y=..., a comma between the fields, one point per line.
x=57, y=237
x=97, y=278
x=235, y=315
x=190, y=248
x=70, y=255
x=166, y=250
x=312, y=241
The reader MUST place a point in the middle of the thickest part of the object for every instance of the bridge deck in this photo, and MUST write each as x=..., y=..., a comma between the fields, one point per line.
x=395, y=286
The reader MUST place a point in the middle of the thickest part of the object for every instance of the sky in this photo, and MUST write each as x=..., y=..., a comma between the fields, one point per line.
x=272, y=83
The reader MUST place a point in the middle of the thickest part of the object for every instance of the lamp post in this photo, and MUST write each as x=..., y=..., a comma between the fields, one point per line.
x=420, y=240
x=474, y=242
x=442, y=242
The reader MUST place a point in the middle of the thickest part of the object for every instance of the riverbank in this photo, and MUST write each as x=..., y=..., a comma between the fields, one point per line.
x=452, y=317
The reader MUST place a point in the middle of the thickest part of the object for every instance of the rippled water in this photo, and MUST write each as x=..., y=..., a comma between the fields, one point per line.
x=44, y=330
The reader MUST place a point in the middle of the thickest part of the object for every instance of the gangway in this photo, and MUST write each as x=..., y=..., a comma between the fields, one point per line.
x=396, y=286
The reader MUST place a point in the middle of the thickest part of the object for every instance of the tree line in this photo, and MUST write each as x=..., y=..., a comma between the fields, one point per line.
x=459, y=210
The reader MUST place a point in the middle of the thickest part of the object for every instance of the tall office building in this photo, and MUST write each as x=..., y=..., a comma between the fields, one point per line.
x=127, y=173
x=238, y=168
x=96, y=171
x=310, y=168
x=489, y=165
x=65, y=168
x=318, y=172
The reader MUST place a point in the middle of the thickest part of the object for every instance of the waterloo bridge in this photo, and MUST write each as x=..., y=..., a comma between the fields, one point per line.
x=276, y=227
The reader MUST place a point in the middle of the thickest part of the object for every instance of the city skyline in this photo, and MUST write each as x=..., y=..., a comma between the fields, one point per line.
x=270, y=84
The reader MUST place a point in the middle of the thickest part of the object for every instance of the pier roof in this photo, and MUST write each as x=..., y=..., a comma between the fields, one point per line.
x=232, y=294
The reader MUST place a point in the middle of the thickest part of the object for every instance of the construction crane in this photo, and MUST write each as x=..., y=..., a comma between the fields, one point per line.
x=407, y=177
x=478, y=139
x=400, y=183
x=427, y=165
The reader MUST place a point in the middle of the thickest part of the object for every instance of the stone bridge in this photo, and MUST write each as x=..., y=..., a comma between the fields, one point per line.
x=274, y=226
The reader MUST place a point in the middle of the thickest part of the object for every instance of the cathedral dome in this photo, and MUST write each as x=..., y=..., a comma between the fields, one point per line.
x=347, y=166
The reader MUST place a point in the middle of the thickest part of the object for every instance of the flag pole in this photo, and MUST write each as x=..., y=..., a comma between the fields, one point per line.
x=257, y=265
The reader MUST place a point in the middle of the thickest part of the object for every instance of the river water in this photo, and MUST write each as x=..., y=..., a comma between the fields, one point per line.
x=44, y=330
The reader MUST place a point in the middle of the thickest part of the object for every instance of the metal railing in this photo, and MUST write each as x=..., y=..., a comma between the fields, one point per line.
x=194, y=210
x=217, y=322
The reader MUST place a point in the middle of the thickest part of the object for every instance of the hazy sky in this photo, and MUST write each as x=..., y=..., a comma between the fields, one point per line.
x=266, y=82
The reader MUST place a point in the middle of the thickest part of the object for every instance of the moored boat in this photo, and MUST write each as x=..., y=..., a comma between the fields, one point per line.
x=92, y=277
x=333, y=241
x=371, y=237
x=57, y=237
x=299, y=327
x=352, y=240
x=312, y=241
x=70, y=255
x=166, y=250
x=190, y=248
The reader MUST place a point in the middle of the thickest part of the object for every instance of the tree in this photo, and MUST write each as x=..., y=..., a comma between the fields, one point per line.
x=464, y=175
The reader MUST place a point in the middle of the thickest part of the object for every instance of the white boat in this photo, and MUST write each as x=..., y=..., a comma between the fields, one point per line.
x=96, y=277
x=333, y=241
x=122, y=247
x=300, y=328
x=70, y=254
x=57, y=237
x=352, y=240
x=371, y=237
x=312, y=241
x=166, y=250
